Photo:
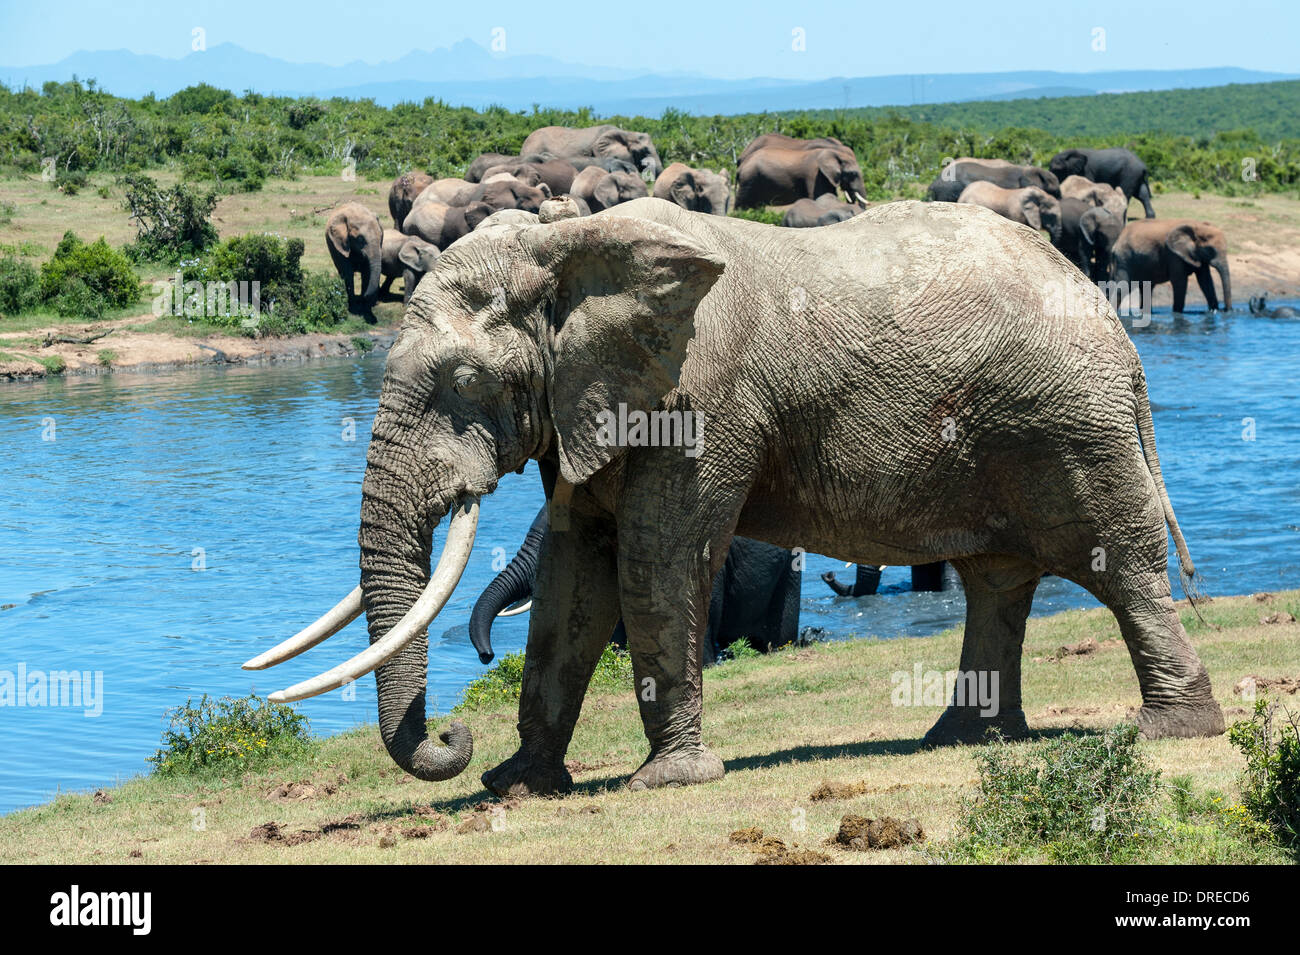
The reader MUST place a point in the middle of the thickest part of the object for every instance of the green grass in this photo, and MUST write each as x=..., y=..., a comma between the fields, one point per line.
x=784, y=724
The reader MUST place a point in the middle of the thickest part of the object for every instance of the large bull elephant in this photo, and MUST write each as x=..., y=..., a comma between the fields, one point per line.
x=603, y=142
x=755, y=596
x=774, y=175
x=960, y=173
x=567, y=343
x=1115, y=167
x=1169, y=250
x=355, y=241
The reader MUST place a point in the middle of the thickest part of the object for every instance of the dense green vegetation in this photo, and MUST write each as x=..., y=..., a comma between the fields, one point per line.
x=229, y=736
x=1190, y=139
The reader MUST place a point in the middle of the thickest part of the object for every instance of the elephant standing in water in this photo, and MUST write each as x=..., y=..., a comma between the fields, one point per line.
x=1168, y=250
x=1115, y=167
x=933, y=577
x=355, y=242
x=908, y=346
x=755, y=596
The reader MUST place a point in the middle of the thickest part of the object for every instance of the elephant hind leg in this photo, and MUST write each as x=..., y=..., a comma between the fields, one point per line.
x=999, y=592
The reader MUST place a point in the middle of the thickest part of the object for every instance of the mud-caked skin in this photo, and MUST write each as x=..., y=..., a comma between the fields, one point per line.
x=922, y=382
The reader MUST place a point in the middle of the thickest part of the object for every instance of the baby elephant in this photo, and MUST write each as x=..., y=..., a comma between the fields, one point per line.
x=355, y=239
x=1259, y=307
x=1029, y=205
x=408, y=256
x=824, y=210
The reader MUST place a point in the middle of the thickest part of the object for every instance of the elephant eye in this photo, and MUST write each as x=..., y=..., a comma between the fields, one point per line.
x=464, y=379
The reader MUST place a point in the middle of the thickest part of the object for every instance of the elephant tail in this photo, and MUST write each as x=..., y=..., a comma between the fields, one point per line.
x=1147, y=432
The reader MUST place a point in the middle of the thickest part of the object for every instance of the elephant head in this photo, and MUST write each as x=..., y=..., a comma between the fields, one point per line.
x=1041, y=211
x=636, y=148
x=1068, y=162
x=1098, y=232
x=839, y=167
x=698, y=190
x=417, y=258
x=1041, y=179
x=604, y=190
x=511, y=349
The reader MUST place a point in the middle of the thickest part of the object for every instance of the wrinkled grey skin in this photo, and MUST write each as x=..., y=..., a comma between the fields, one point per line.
x=774, y=175
x=1169, y=250
x=408, y=256
x=960, y=173
x=603, y=142
x=824, y=210
x=405, y=190
x=1029, y=206
x=698, y=190
x=604, y=190
x=977, y=399
x=503, y=192
x=755, y=596
x=355, y=242
x=1088, y=234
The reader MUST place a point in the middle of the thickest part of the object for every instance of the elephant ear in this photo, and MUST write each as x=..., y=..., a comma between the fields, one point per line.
x=1032, y=216
x=606, y=191
x=831, y=166
x=612, y=142
x=417, y=254
x=624, y=292
x=683, y=191
x=1182, y=243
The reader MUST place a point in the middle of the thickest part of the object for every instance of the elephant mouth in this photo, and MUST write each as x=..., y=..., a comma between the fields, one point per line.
x=442, y=584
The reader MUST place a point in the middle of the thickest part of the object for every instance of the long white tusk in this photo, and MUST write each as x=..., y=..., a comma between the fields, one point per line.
x=517, y=609
x=861, y=198
x=343, y=613
x=442, y=583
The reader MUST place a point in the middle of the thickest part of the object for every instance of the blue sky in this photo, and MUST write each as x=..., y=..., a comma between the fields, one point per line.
x=726, y=38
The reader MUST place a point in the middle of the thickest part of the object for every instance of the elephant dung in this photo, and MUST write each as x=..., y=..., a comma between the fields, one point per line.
x=860, y=833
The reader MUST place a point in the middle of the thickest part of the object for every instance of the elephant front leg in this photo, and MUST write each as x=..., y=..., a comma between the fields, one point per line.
x=575, y=608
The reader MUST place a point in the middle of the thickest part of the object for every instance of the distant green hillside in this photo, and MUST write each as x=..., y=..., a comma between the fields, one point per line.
x=1271, y=109
x=1190, y=139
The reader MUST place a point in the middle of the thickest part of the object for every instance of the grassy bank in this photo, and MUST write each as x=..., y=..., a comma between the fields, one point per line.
x=784, y=724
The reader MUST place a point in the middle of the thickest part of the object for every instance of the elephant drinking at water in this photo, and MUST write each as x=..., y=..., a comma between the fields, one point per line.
x=908, y=345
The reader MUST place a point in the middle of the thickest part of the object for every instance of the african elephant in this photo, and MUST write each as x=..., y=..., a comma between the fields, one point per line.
x=933, y=577
x=781, y=141
x=408, y=256
x=1088, y=234
x=773, y=176
x=557, y=174
x=503, y=192
x=449, y=189
x=960, y=173
x=824, y=210
x=485, y=161
x=1259, y=308
x=604, y=141
x=1168, y=250
x=355, y=241
x=1115, y=167
x=567, y=343
x=755, y=597
x=1029, y=206
x=1096, y=194
x=696, y=189
x=405, y=190
x=604, y=190
x=442, y=224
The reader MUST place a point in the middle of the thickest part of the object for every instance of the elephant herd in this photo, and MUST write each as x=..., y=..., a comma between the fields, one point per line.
x=1081, y=200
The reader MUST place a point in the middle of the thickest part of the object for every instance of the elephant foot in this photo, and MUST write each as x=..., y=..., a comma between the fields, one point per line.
x=679, y=768
x=963, y=725
x=1181, y=721
x=524, y=775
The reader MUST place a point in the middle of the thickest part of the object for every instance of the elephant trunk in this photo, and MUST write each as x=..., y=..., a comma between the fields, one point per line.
x=513, y=584
x=394, y=567
x=1221, y=264
x=374, y=276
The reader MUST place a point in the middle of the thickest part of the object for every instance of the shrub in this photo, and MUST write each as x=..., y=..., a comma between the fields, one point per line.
x=1270, y=785
x=20, y=285
x=171, y=224
x=767, y=216
x=69, y=181
x=501, y=684
x=1076, y=799
x=228, y=736
x=738, y=650
x=86, y=280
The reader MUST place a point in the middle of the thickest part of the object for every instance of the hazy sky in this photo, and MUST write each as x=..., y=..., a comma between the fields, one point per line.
x=727, y=38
